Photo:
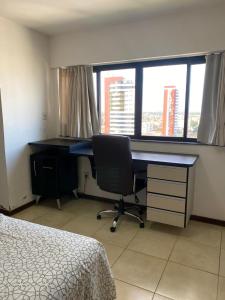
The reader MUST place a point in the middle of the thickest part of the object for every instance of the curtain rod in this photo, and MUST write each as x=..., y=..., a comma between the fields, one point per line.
x=152, y=58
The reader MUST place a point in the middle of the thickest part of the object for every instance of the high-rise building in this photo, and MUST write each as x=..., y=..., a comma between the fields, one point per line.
x=119, y=105
x=170, y=111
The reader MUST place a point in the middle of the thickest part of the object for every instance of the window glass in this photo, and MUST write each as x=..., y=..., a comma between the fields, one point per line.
x=117, y=101
x=163, y=106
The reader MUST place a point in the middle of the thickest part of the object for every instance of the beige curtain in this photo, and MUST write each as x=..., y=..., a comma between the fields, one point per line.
x=78, y=111
x=212, y=122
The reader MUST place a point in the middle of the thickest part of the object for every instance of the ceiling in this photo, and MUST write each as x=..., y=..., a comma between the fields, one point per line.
x=57, y=16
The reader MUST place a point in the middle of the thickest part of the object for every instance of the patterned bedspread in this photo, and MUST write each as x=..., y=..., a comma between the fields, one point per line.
x=38, y=262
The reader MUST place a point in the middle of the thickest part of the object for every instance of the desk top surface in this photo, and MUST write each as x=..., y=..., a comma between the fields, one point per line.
x=82, y=147
x=58, y=142
x=182, y=160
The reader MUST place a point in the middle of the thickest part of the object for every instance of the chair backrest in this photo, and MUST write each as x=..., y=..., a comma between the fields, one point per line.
x=113, y=161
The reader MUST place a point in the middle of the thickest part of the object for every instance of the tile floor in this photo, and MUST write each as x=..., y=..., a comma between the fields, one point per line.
x=158, y=262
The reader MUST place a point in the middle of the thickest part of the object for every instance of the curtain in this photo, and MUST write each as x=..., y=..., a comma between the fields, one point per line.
x=78, y=112
x=212, y=121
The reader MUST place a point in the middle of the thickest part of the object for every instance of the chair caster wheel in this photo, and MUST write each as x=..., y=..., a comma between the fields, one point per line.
x=142, y=225
x=99, y=217
x=112, y=229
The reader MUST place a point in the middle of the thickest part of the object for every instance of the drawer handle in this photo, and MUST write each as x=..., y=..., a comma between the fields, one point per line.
x=164, y=181
x=35, y=172
x=167, y=198
x=49, y=168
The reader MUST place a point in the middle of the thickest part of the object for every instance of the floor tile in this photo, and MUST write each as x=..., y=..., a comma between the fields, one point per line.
x=164, y=228
x=206, y=225
x=153, y=242
x=206, y=235
x=33, y=212
x=197, y=255
x=74, y=206
x=125, y=232
x=51, y=202
x=180, y=282
x=113, y=252
x=126, y=291
x=55, y=219
x=80, y=206
x=139, y=269
x=160, y=297
x=222, y=263
x=221, y=289
x=85, y=224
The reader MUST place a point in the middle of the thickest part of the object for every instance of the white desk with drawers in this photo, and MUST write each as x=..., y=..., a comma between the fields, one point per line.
x=170, y=194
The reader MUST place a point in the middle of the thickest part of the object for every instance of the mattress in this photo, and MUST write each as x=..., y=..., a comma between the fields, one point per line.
x=38, y=262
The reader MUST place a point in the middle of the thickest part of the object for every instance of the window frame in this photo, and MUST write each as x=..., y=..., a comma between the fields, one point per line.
x=139, y=66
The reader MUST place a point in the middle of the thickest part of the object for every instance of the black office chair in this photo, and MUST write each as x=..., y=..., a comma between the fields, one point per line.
x=115, y=172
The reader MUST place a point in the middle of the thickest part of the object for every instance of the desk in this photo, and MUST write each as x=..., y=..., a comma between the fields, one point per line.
x=170, y=178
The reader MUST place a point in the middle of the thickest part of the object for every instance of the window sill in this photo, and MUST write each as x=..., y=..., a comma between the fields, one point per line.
x=191, y=143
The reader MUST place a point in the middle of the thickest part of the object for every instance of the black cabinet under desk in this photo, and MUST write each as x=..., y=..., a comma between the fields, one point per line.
x=53, y=174
x=54, y=170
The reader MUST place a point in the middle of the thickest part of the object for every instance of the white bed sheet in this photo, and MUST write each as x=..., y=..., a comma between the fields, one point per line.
x=38, y=262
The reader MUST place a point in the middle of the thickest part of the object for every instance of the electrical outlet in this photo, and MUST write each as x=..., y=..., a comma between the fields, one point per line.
x=86, y=175
x=44, y=117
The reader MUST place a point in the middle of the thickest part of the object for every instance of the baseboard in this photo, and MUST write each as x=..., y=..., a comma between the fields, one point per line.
x=208, y=220
x=90, y=197
x=4, y=211
x=16, y=210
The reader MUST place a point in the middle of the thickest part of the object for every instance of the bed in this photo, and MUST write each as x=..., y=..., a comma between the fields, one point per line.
x=39, y=262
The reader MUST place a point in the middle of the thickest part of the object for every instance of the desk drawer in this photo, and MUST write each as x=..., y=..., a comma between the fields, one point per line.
x=166, y=187
x=167, y=172
x=165, y=217
x=166, y=202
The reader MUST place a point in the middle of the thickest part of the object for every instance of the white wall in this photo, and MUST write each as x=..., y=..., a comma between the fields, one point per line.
x=24, y=89
x=174, y=34
x=4, y=196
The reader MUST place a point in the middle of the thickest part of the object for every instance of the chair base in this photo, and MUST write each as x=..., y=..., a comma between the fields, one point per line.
x=120, y=210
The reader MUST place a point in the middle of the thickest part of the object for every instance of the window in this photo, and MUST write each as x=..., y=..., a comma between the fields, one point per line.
x=151, y=100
